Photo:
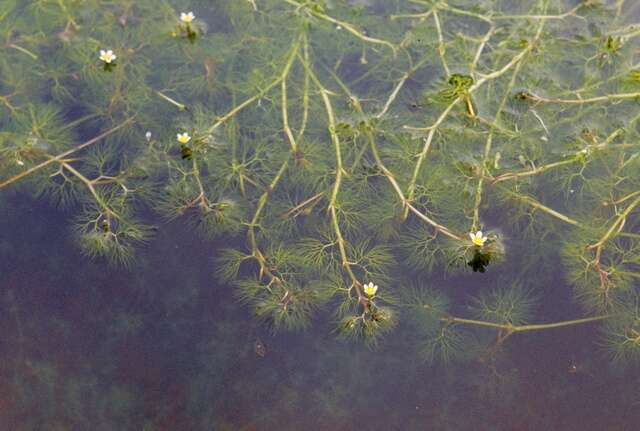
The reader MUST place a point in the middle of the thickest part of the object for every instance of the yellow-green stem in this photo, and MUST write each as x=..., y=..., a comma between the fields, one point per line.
x=345, y=25
x=63, y=155
x=285, y=71
x=534, y=203
x=524, y=328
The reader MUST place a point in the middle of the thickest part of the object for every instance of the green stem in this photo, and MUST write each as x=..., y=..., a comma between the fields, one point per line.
x=332, y=207
x=425, y=150
x=534, y=203
x=441, y=47
x=387, y=173
x=615, y=228
x=90, y=185
x=65, y=154
x=394, y=94
x=524, y=328
x=345, y=25
x=261, y=204
x=487, y=149
x=174, y=102
x=23, y=50
x=432, y=129
x=305, y=88
x=285, y=71
x=605, y=98
x=538, y=170
x=578, y=157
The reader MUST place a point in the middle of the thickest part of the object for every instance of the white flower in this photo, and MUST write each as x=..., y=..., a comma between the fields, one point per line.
x=183, y=138
x=107, y=56
x=187, y=17
x=370, y=289
x=19, y=162
x=148, y=135
x=478, y=239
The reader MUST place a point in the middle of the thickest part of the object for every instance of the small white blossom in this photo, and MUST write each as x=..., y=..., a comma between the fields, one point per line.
x=148, y=135
x=20, y=162
x=187, y=17
x=370, y=289
x=107, y=56
x=477, y=238
x=183, y=138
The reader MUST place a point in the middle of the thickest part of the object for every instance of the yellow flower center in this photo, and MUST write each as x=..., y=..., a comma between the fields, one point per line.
x=107, y=56
x=187, y=17
x=477, y=238
x=370, y=289
x=183, y=138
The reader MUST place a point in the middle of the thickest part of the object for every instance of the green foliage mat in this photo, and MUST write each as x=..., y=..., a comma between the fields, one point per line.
x=357, y=152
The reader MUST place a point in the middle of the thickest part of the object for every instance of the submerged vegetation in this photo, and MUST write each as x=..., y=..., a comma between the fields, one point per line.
x=346, y=149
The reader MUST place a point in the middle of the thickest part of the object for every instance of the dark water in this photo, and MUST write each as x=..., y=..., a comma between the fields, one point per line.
x=165, y=346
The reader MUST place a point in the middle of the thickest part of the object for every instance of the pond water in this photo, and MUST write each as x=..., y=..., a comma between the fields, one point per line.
x=188, y=230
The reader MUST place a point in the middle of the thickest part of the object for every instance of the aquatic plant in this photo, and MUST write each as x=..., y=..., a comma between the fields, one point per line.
x=338, y=146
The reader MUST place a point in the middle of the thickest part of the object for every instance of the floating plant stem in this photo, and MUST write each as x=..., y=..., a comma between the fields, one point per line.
x=425, y=150
x=305, y=87
x=537, y=205
x=420, y=16
x=475, y=223
x=437, y=226
x=538, y=170
x=348, y=27
x=396, y=90
x=174, y=102
x=285, y=114
x=579, y=101
x=293, y=212
x=432, y=129
x=23, y=50
x=324, y=93
x=524, y=328
x=65, y=154
x=441, y=45
x=387, y=173
x=262, y=202
x=615, y=228
x=571, y=12
x=5, y=101
x=91, y=186
x=291, y=57
x=481, y=47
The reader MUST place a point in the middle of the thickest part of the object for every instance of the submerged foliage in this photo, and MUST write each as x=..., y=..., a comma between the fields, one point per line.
x=336, y=144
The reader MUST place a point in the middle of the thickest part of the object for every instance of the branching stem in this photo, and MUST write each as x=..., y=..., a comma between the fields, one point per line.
x=65, y=154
